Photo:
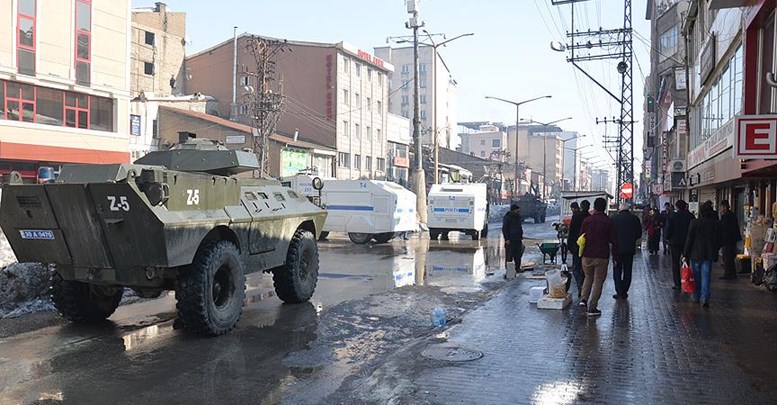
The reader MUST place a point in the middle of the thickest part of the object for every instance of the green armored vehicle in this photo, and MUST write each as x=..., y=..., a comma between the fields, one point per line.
x=173, y=220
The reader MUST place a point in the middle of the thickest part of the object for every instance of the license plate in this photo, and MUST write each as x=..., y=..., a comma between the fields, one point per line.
x=37, y=234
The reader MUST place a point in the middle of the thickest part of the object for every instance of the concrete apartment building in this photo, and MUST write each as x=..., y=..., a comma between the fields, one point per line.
x=335, y=95
x=488, y=142
x=64, y=83
x=436, y=88
x=158, y=50
x=666, y=133
x=398, y=158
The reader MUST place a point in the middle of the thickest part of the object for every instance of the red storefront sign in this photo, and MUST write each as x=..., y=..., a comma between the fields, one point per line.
x=401, y=162
x=756, y=137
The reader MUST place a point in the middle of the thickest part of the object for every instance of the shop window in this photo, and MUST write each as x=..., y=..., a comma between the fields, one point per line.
x=100, y=114
x=25, y=37
x=49, y=107
x=83, y=33
x=19, y=102
x=76, y=110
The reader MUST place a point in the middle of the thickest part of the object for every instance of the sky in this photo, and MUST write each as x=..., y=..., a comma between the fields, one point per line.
x=508, y=57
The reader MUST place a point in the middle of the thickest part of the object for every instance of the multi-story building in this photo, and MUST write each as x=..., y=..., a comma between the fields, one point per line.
x=64, y=83
x=717, y=68
x=334, y=95
x=543, y=155
x=158, y=49
x=437, y=92
x=666, y=134
x=398, y=159
x=489, y=142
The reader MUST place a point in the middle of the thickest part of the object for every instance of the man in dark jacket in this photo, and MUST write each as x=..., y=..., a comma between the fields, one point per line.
x=574, y=233
x=704, y=236
x=599, y=235
x=512, y=230
x=730, y=235
x=676, y=233
x=628, y=229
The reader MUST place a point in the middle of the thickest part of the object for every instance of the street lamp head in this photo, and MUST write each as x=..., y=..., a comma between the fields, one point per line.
x=558, y=46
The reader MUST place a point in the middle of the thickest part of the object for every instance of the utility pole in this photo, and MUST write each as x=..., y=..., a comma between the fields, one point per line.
x=615, y=44
x=265, y=103
x=418, y=177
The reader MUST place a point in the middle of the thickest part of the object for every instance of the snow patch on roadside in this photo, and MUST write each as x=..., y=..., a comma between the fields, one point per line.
x=24, y=287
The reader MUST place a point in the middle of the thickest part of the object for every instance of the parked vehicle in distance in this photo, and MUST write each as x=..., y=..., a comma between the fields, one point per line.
x=364, y=209
x=533, y=206
x=457, y=207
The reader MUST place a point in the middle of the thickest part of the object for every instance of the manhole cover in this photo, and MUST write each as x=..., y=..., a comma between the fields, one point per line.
x=451, y=353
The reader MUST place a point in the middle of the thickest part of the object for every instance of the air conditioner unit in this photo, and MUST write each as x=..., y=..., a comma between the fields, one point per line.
x=677, y=165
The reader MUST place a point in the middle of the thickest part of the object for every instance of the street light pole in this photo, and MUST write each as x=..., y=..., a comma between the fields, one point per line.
x=564, y=155
x=574, y=164
x=544, y=155
x=434, y=99
x=418, y=178
x=517, y=122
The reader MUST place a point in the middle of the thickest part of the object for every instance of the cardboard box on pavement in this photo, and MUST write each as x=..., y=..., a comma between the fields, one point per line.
x=554, y=303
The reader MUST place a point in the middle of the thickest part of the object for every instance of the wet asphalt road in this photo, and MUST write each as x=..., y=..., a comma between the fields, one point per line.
x=278, y=353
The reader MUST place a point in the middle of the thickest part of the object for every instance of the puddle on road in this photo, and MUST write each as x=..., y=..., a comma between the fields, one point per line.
x=456, y=265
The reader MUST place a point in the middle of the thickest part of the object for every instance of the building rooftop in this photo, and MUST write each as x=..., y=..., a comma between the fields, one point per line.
x=244, y=128
x=342, y=46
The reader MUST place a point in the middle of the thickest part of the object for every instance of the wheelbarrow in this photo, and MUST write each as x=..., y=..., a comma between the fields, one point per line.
x=549, y=249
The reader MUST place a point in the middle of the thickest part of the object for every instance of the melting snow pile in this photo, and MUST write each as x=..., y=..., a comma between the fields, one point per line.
x=497, y=212
x=23, y=286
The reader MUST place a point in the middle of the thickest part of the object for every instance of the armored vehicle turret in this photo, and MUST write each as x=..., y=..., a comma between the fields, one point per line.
x=174, y=220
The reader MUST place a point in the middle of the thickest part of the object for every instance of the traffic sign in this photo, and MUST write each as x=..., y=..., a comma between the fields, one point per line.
x=627, y=190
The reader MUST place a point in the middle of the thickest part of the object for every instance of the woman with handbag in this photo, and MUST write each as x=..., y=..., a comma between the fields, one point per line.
x=701, y=247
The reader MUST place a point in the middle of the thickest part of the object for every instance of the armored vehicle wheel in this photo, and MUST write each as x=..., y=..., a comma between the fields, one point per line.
x=384, y=237
x=475, y=235
x=434, y=234
x=296, y=281
x=211, y=291
x=84, y=302
x=359, y=238
x=484, y=231
x=323, y=235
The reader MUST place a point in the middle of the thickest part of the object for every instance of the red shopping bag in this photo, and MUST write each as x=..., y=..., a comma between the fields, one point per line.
x=686, y=277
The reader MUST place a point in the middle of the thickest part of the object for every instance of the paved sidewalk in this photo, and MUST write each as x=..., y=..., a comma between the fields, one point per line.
x=656, y=347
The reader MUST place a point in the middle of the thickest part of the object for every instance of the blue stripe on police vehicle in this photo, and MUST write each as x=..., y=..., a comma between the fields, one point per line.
x=350, y=208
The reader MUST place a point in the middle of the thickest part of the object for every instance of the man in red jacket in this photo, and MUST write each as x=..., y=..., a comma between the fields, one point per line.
x=600, y=235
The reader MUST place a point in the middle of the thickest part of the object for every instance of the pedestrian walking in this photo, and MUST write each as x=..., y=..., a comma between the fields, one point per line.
x=701, y=247
x=574, y=232
x=665, y=214
x=512, y=230
x=629, y=230
x=653, y=230
x=729, y=228
x=676, y=234
x=600, y=241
